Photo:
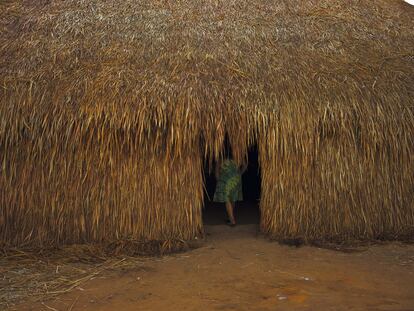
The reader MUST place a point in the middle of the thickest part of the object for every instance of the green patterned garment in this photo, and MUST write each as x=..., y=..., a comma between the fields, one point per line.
x=229, y=183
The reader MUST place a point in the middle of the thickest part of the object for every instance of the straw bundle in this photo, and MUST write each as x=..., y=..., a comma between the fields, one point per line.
x=109, y=108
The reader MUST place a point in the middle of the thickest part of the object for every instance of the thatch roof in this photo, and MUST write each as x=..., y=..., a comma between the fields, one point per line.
x=168, y=76
x=203, y=59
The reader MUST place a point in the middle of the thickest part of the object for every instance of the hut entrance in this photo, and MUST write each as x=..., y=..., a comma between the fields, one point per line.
x=247, y=211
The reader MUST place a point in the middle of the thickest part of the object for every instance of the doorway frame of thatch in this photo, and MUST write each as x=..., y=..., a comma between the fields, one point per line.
x=209, y=163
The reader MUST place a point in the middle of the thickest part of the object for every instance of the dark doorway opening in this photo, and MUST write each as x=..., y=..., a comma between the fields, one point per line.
x=247, y=211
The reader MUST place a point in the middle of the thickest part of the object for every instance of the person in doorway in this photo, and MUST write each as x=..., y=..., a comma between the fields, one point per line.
x=229, y=186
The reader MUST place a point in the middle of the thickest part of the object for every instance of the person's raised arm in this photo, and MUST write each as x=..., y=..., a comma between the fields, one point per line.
x=244, y=167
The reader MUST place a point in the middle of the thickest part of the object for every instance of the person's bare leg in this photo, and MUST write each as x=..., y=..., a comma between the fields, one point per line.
x=230, y=212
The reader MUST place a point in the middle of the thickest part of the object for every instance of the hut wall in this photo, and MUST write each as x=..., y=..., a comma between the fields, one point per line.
x=332, y=176
x=327, y=173
x=83, y=192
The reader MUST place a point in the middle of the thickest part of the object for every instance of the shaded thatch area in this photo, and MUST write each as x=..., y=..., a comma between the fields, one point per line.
x=109, y=108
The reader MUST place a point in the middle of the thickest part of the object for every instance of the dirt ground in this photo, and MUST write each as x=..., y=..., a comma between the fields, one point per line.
x=237, y=269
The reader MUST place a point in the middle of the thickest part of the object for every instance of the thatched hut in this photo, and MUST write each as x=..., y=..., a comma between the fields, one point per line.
x=109, y=110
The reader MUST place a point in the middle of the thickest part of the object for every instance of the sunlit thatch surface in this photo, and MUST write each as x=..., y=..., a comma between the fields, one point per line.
x=108, y=108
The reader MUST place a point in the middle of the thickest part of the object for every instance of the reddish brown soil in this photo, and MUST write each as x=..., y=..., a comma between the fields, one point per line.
x=238, y=270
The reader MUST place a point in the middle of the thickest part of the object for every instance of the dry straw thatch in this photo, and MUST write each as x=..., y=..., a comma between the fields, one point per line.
x=41, y=276
x=109, y=108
